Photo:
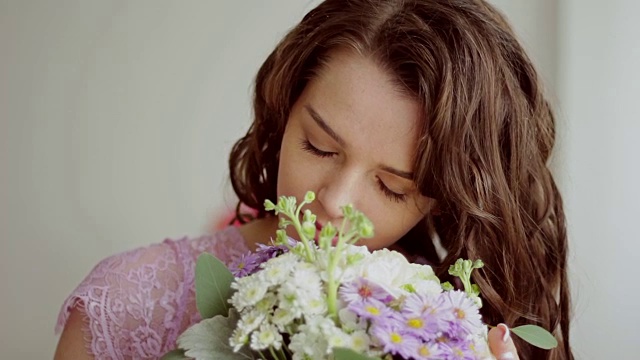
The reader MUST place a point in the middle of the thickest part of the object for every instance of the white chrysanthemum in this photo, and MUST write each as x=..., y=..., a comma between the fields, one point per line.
x=305, y=277
x=311, y=340
x=251, y=289
x=315, y=306
x=267, y=303
x=288, y=298
x=309, y=290
x=308, y=345
x=359, y=341
x=283, y=317
x=320, y=325
x=238, y=339
x=265, y=337
x=250, y=320
x=338, y=338
x=350, y=321
x=277, y=270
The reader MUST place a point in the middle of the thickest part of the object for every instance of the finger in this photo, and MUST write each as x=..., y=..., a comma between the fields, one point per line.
x=501, y=343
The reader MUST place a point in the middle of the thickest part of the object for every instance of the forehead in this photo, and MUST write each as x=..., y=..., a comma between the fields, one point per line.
x=364, y=104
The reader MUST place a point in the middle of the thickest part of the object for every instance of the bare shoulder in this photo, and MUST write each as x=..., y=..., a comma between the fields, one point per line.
x=72, y=343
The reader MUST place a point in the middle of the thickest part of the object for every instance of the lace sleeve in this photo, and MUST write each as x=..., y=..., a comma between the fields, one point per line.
x=137, y=303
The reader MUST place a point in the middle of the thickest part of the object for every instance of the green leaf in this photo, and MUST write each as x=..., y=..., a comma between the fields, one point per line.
x=209, y=339
x=536, y=336
x=213, y=286
x=175, y=355
x=348, y=354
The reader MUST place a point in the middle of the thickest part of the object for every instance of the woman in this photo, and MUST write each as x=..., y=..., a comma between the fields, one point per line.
x=428, y=116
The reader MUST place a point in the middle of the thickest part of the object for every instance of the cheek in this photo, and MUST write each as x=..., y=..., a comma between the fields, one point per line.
x=294, y=170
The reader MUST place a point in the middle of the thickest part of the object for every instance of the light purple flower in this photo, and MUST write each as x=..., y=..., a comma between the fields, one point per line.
x=457, y=350
x=430, y=350
x=426, y=316
x=372, y=309
x=466, y=315
x=249, y=263
x=361, y=290
x=394, y=340
x=266, y=252
x=245, y=264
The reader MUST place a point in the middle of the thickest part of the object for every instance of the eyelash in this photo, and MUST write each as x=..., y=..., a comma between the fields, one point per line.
x=308, y=147
x=390, y=194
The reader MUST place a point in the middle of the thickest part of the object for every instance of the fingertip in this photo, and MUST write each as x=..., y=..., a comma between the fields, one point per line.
x=506, y=333
x=501, y=343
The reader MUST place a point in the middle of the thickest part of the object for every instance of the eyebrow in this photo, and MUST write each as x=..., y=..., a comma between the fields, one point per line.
x=326, y=128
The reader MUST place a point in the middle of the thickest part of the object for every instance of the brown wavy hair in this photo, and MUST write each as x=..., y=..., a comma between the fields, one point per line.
x=484, y=144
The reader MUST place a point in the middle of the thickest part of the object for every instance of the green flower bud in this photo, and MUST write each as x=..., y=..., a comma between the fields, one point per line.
x=281, y=237
x=309, y=196
x=467, y=266
x=329, y=231
x=308, y=229
x=309, y=216
x=456, y=269
x=283, y=223
x=409, y=287
x=347, y=211
x=269, y=205
x=366, y=230
x=478, y=301
x=282, y=204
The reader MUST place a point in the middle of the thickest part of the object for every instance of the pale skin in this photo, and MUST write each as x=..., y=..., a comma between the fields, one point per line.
x=350, y=138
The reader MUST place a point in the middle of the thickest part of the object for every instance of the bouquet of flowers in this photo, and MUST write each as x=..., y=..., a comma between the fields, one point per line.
x=323, y=297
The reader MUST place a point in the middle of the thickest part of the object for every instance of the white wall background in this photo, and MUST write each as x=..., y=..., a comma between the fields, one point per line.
x=116, y=118
x=599, y=90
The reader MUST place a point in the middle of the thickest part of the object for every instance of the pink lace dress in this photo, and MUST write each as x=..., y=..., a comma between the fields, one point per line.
x=137, y=303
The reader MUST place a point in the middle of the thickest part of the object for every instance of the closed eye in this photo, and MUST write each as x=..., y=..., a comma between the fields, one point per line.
x=392, y=195
x=308, y=147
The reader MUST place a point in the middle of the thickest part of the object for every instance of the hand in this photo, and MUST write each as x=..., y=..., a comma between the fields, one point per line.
x=501, y=343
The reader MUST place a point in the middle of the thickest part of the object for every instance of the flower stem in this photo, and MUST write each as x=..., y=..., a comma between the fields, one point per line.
x=295, y=217
x=332, y=283
x=273, y=353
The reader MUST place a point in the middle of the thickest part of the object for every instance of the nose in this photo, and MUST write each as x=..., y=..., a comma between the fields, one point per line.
x=339, y=189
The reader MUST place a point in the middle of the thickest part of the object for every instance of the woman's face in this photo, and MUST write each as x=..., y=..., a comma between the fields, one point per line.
x=351, y=138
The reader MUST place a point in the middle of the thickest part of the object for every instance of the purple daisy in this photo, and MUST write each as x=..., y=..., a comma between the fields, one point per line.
x=245, y=264
x=457, y=350
x=394, y=340
x=426, y=316
x=466, y=315
x=429, y=350
x=361, y=290
x=372, y=309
